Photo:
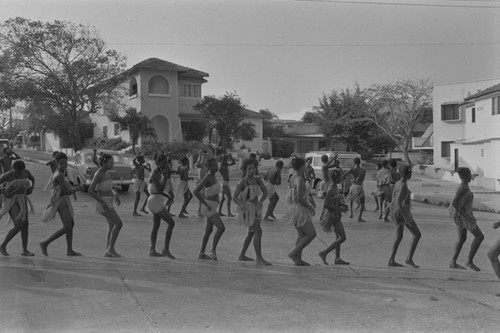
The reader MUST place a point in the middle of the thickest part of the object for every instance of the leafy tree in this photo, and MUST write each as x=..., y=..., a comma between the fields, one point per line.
x=248, y=131
x=64, y=65
x=136, y=123
x=397, y=107
x=311, y=117
x=194, y=131
x=225, y=114
x=267, y=125
x=282, y=147
x=339, y=113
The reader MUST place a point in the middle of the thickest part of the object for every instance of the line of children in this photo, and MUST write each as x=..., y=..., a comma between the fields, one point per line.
x=249, y=195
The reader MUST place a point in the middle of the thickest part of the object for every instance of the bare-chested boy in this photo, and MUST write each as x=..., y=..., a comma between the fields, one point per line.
x=356, y=191
x=140, y=185
x=226, y=161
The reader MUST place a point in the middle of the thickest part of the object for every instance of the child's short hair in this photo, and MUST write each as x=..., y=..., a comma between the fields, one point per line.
x=324, y=158
x=404, y=170
x=54, y=154
x=298, y=162
x=18, y=165
x=60, y=156
x=464, y=172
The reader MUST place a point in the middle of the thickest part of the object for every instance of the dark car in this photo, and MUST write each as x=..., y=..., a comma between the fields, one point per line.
x=81, y=168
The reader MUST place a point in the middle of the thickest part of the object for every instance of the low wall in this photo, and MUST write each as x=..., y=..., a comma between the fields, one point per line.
x=452, y=176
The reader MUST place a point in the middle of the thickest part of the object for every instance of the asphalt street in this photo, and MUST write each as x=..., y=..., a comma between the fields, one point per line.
x=138, y=293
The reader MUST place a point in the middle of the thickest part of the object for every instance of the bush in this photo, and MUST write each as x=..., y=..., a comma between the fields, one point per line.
x=265, y=156
x=106, y=143
x=176, y=149
x=283, y=148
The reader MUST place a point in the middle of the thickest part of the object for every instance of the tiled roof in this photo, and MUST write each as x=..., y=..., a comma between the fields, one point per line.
x=162, y=65
x=311, y=129
x=484, y=92
x=250, y=113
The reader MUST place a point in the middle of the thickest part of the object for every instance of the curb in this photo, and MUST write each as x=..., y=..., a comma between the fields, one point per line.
x=34, y=160
x=445, y=202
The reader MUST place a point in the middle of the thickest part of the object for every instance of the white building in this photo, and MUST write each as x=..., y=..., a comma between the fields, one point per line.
x=467, y=129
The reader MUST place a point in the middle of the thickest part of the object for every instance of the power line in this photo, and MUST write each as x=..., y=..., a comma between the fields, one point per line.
x=412, y=4
x=308, y=44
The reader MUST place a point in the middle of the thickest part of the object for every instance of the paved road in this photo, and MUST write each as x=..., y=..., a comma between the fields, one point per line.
x=138, y=293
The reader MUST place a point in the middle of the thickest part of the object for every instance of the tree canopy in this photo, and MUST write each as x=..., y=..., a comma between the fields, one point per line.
x=63, y=65
x=136, y=123
x=225, y=114
x=397, y=107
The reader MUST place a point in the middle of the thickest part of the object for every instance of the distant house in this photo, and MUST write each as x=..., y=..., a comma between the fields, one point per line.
x=285, y=123
x=467, y=129
x=308, y=137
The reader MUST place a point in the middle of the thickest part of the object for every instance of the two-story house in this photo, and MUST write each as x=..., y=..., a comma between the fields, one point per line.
x=163, y=91
x=467, y=129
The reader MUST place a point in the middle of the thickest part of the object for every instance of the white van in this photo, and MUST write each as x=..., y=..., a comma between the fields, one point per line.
x=346, y=160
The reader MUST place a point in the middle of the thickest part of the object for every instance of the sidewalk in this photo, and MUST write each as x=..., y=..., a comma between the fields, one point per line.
x=440, y=192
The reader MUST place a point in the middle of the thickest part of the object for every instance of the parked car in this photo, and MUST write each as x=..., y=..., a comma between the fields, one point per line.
x=81, y=168
x=346, y=160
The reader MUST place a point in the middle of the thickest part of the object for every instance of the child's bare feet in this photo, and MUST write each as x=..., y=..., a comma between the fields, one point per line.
x=230, y=215
x=182, y=216
x=3, y=251
x=213, y=256
x=144, y=211
x=73, y=253
x=393, y=263
x=472, y=266
x=111, y=254
x=411, y=263
x=135, y=214
x=244, y=258
x=341, y=262
x=27, y=253
x=262, y=262
x=453, y=264
x=295, y=259
x=167, y=254
x=220, y=214
x=153, y=253
x=43, y=246
x=361, y=220
x=303, y=263
x=322, y=255
x=203, y=256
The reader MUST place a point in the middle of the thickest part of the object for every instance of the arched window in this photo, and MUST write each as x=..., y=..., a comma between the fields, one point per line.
x=158, y=85
x=132, y=87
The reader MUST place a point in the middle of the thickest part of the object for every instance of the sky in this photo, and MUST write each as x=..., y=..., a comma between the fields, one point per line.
x=284, y=55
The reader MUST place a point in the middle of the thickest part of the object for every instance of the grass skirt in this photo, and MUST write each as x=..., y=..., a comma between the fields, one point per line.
x=156, y=203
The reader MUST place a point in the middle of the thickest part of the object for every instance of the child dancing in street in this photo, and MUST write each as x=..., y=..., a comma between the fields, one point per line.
x=103, y=191
x=140, y=185
x=461, y=212
x=210, y=202
x=19, y=184
x=246, y=196
x=300, y=212
x=157, y=206
x=494, y=252
x=60, y=202
x=331, y=216
x=183, y=189
x=401, y=215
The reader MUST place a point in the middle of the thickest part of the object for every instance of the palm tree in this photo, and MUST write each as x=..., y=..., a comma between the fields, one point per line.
x=138, y=125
